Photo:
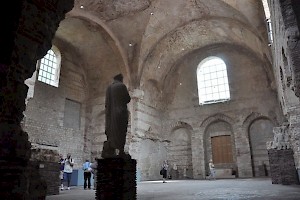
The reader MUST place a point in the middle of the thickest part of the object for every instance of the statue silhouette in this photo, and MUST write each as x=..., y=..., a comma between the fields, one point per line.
x=116, y=118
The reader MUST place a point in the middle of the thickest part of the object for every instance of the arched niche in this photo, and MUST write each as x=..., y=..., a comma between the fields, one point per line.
x=180, y=151
x=260, y=131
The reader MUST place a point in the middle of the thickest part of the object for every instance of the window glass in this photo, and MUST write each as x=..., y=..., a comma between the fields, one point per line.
x=49, y=67
x=212, y=81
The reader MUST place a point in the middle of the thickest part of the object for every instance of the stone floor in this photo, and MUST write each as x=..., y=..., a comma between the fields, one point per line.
x=254, y=189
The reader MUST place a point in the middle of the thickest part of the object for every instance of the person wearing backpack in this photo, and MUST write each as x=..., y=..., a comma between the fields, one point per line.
x=68, y=169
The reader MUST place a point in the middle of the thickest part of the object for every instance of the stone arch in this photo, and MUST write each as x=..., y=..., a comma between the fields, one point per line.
x=216, y=117
x=181, y=124
x=259, y=130
x=179, y=48
x=254, y=116
x=76, y=13
x=218, y=130
x=180, y=138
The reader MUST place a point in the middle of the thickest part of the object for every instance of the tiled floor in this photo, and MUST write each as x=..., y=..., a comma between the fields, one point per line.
x=254, y=189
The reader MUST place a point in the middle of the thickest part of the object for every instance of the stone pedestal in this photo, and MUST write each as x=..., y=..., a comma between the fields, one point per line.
x=116, y=179
x=49, y=171
x=282, y=167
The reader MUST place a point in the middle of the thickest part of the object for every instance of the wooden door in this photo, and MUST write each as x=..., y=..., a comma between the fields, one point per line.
x=222, y=149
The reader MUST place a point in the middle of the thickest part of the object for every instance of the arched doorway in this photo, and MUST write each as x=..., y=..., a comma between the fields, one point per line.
x=219, y=146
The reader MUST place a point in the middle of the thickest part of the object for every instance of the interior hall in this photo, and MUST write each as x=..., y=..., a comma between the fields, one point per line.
x=209, y=80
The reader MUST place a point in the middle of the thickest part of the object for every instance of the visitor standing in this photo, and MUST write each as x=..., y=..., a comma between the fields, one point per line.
x=164, y=168
x=87, y=174
x=68, y=169
x=61, y=172
x=94, y=167
x=212, y=172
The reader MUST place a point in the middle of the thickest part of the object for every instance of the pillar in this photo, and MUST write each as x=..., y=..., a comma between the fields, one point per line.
x=30, y=26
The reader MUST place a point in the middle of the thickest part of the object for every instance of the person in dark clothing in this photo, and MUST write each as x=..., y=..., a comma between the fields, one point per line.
x=61, y=174
x=116, y=117
x=94, y=167
x=165, y=170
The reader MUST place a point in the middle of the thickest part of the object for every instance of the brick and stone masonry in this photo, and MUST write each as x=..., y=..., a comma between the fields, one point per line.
x=282, y=167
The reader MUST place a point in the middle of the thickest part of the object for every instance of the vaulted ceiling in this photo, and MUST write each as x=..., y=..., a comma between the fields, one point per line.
x=145, y=39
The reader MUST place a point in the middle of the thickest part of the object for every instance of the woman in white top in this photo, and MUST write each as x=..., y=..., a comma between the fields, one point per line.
x=68, y=169
x=212, y=174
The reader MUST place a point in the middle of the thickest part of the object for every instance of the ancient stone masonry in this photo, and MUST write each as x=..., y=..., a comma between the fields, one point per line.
x=285, y=25
x=45, y=161
x=281, y=139
x=289, y=16
x=29, y=40
x=282, y=166
x=110, y=10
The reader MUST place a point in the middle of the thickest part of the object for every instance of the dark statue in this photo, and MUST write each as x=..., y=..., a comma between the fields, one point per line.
x=116, y=118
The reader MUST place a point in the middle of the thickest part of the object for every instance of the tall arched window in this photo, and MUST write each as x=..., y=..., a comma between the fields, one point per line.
x=49, y=67
x=212, y=81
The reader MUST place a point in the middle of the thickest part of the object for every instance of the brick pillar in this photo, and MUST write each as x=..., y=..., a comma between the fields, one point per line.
x=31, y=25
x=282, y=167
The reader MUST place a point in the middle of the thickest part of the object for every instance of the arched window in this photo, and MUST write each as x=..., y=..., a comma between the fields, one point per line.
x=212, y=81
x=49, y=67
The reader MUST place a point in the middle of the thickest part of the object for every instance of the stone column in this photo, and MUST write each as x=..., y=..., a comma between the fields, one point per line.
x=243, y=154
x=30, y=28
x=198, y=154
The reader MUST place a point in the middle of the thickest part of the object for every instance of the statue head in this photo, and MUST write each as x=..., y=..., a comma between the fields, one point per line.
x=118, y=77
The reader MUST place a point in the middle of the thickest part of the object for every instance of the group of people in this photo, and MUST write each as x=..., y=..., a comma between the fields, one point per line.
x=66, y=170
x=165, y=166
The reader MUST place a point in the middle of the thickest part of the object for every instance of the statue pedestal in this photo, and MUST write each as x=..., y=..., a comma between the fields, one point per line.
x=116, y=179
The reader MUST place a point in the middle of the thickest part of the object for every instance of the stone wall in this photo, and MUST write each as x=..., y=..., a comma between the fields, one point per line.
x=97, y=126
x=45, y=113
x=286, y=65
x=29, y=29
x=45, y=162
x=247, y=97
x=145, y=142
x=180, y=151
